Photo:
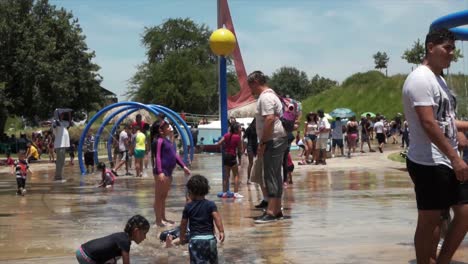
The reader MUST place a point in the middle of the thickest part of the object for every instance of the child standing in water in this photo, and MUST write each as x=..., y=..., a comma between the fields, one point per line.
x=20, y=168
x=201, y=215
x=107, y=176
x=109, y=248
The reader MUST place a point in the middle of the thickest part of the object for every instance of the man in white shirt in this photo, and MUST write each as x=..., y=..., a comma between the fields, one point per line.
x=322, y=138
x=124, y=144
x=273, y=143
x=439, y=175
x=62, y=139
x=379, y=129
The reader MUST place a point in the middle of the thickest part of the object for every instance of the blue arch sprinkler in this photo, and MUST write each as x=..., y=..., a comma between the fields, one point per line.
x=130, y=107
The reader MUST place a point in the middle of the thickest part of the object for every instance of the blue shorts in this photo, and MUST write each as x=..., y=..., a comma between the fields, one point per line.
x=203, y=249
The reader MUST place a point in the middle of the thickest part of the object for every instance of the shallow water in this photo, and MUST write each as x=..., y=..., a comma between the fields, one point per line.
x=334, y=215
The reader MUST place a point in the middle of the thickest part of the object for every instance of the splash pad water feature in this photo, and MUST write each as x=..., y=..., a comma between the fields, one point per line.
x=128, y=108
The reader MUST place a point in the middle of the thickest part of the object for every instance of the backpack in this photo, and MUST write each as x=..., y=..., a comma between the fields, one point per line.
x=290, y=115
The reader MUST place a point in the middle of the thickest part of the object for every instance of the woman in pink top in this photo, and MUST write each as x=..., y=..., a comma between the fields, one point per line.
x=231, y=151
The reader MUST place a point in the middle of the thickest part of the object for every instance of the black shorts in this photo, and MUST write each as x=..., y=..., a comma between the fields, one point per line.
x=89, y=158
x=380, y=138
x=229, y=160
x=252, y=148
x=436, y=187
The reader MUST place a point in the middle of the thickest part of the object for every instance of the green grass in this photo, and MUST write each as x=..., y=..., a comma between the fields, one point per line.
x=362, y=92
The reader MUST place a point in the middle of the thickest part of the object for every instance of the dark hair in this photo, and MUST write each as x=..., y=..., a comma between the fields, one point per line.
x=312, y=117
x=154, y=135
x=136, y=221
x=438, y=36
x=101, y=165
x=258, y=77
x=198, y=185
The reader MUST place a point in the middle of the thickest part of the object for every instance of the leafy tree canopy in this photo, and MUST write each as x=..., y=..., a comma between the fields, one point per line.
x=181, y=71
x=291, y=82
x=319, y=84
x=381, y=60
x=416, y=54
x=44, y=61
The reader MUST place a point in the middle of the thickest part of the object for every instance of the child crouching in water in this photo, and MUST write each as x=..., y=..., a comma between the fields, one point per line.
x=107, y=249
x=201, y=215
x=107, y=176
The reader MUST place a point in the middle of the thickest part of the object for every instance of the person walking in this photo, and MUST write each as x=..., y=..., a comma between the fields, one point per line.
x=232, y=151
x=352, y=132
x=273, y=143
x=379, y=129
x=310, y=137
x=62, y=139
x=252, y=144
x=439, y=174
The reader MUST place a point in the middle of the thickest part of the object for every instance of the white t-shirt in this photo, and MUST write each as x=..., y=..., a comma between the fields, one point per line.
x=323, y=124
x=268, y=103
x=62, y=138
x=123, y=136
x=423, y=88
x=379, y=127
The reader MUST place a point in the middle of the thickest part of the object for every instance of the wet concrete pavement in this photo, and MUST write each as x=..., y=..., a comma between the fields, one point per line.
x=358, y=210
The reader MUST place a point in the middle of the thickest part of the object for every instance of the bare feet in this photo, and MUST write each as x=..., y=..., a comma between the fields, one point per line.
x=169, y=241
x=168, y=222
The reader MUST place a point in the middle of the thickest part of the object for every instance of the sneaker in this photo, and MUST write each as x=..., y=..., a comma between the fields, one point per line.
x=23, y=192
x=115, y=173
x=280, y=215
x=380, y=149
x=262, y=204
x=266, y=219
x=260, y=216
x=238, y=195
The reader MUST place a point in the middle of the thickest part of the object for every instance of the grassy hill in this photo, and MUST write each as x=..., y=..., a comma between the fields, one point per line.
x=373, y=92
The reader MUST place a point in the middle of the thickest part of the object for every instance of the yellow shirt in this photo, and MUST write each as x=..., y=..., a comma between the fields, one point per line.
x=33, y=152
x=140, y=141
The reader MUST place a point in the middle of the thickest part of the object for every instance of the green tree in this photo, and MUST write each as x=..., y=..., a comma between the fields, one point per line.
x=457, y=55
x=381, y=61
x=44, y=61
x=181, y=71
x=416, y=54
x=290, y=81
x=319, y=84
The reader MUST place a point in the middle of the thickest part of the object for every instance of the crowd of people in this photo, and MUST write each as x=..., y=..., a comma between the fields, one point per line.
x=430, y=131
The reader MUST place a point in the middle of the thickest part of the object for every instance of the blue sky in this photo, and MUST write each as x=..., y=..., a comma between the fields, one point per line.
x=333, y=38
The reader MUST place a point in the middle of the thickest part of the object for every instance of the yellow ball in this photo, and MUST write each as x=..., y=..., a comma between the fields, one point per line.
x=222, y=42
